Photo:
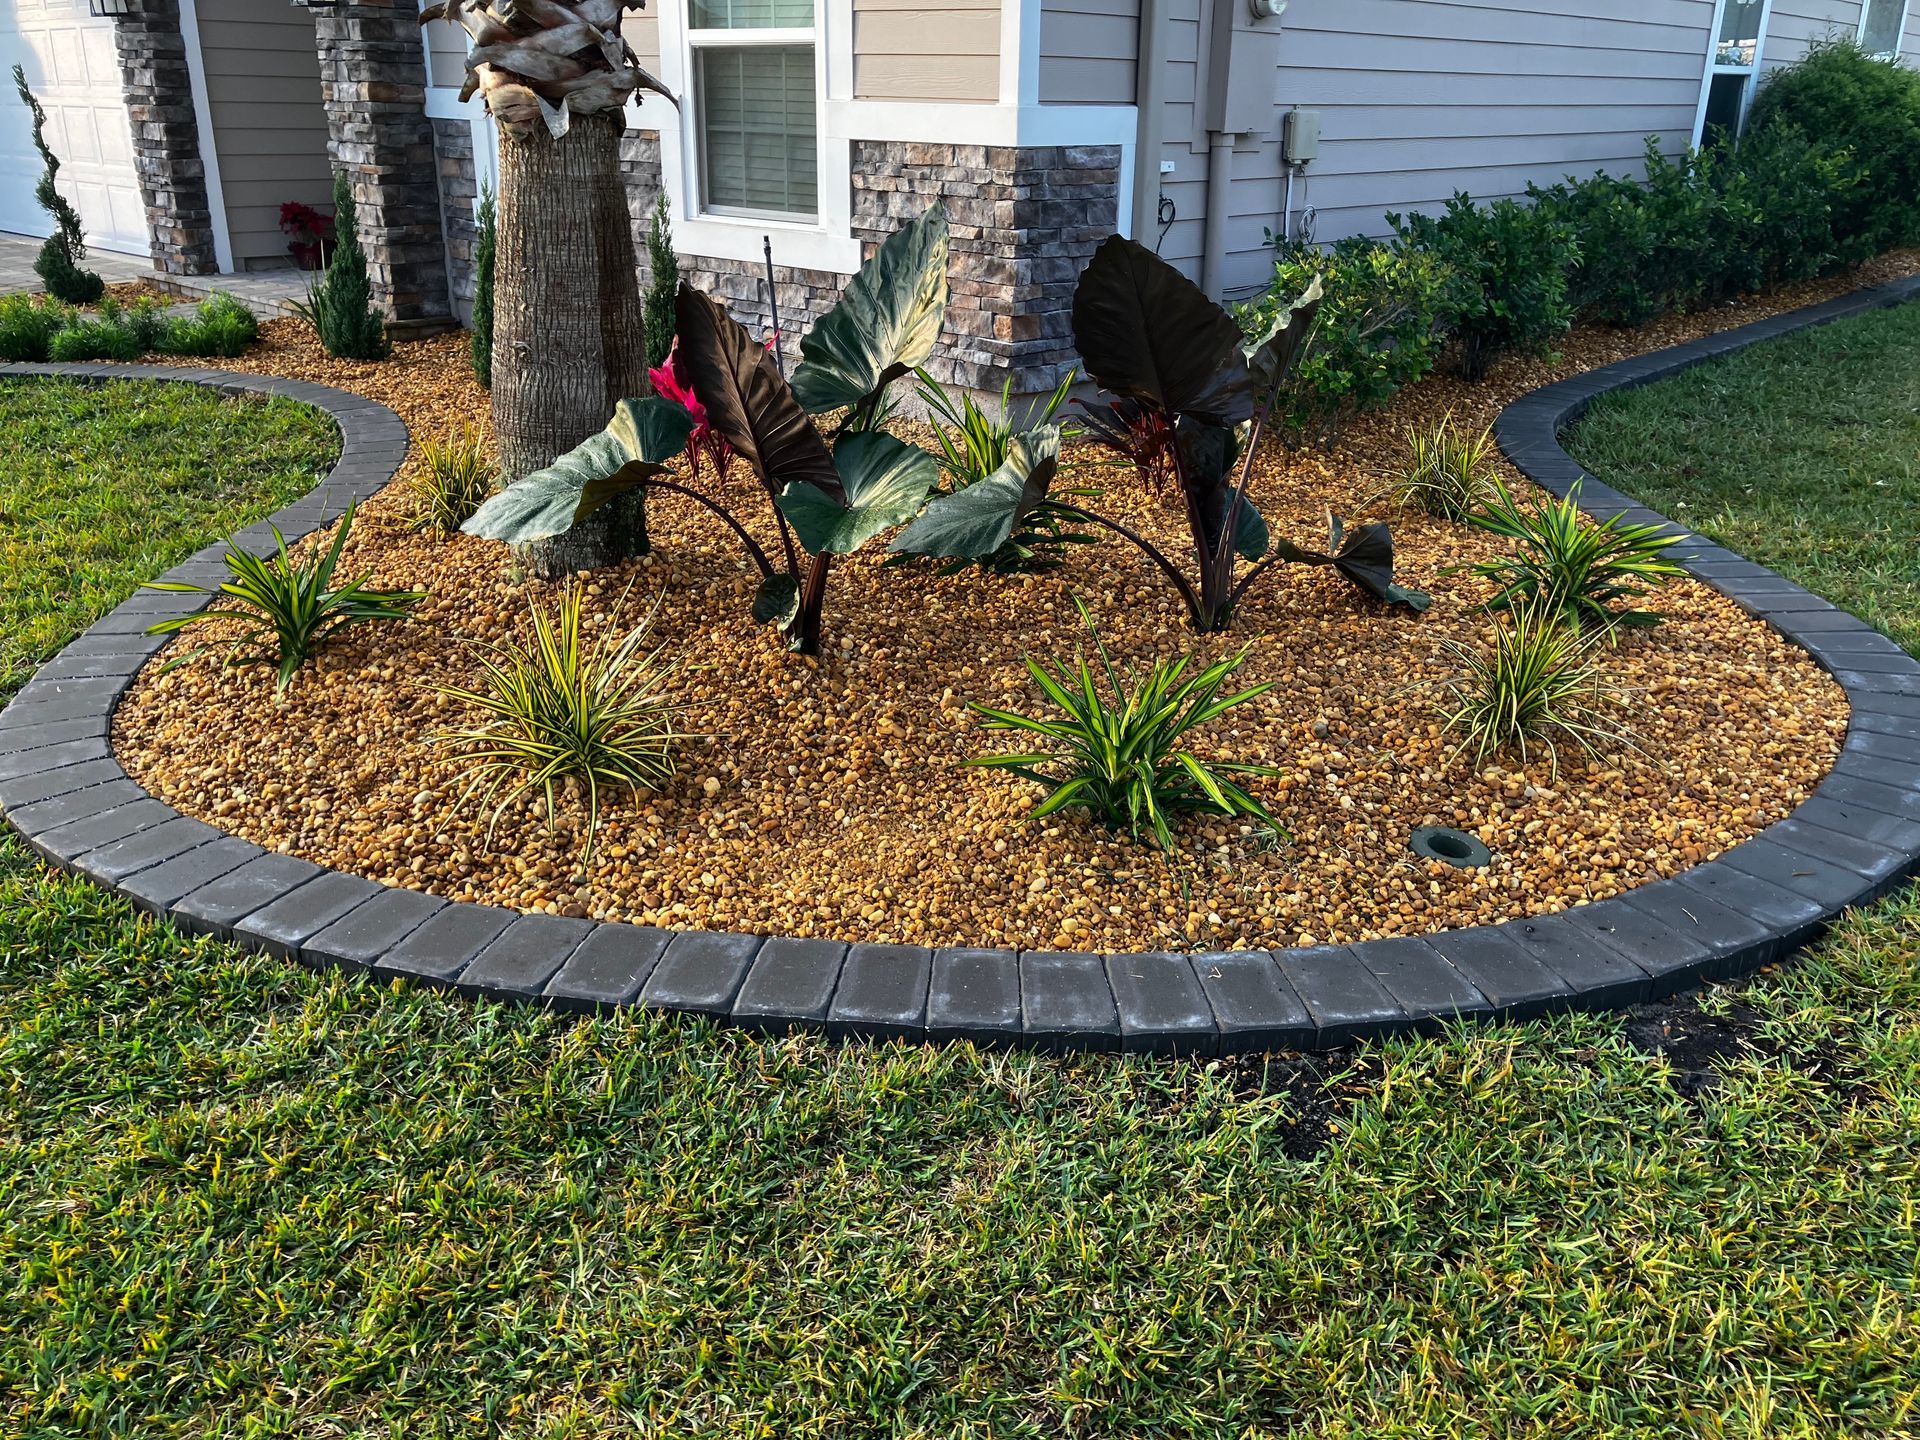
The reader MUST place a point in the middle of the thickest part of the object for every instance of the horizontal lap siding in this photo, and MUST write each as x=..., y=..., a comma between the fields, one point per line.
x=1795, y=24
x=446, y=53
x=1087, y=50
x=930, y=50
x=270, y=130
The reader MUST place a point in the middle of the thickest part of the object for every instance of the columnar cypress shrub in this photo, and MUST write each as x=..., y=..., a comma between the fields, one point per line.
x=59, y=262
x=483, y=264
x=664, y=283
x=340, y=304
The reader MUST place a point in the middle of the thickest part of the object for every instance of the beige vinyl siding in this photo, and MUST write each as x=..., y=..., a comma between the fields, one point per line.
x=446, y=53
x=269, y=129
x=1087, y=50
x=938, y=50
x=1420, y=98
x=642, y=32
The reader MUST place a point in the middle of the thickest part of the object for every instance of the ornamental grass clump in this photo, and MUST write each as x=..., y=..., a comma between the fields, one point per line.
x=1571, y=565
x=1120, y=751
x=1449, y=470
x=1533, y=684
x=284, y=610
x=562, y=708
x=455, y=476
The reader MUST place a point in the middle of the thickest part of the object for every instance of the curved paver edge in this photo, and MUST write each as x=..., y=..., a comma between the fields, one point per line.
x=1856, y=837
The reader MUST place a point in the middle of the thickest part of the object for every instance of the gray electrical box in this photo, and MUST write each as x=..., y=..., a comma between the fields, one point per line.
x=1300, y=136
x=1243, y=70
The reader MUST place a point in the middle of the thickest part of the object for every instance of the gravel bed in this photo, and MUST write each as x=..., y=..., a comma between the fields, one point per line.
x=831, y=801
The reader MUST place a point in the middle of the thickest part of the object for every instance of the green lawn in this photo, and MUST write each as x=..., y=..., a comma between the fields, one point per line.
x=102, y=487
x=1803, y=454
x=238, y=1199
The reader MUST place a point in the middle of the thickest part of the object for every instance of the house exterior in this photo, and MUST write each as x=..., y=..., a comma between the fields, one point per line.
x=815, y=126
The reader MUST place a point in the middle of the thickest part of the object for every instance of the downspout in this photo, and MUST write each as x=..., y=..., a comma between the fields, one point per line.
x=1213, y=258
x=1149, y=94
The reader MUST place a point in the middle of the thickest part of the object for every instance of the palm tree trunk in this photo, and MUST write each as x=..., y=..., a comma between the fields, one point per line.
x=569, y=339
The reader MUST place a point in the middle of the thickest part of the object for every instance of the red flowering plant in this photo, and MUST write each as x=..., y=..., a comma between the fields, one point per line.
x=312, y=232
x=705, y=444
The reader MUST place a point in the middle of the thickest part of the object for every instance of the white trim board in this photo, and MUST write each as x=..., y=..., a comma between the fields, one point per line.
x=209, y=148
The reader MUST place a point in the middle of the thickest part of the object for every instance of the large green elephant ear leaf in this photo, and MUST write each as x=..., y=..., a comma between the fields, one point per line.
x=748, y=403
x=1148, y=333
x=885, y=323
x=636, y=445
x=1365, y=557
x=974, y=523
x=883, y=480
x=1273, y=354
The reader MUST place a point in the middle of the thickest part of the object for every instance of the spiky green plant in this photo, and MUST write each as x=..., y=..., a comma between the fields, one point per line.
x=1120, y=752
x=1449, y=470
x=560, y=707
x=663, y=285
x=454, y=478
x=59, y=262
x=972, y=443
x=485, y=246
x=340, y=305
x=1572, y=565
x=1532, y=683
x=284, y=610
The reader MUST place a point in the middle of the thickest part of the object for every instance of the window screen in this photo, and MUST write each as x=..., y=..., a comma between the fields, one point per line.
x=1880, y=26
x=757, y=127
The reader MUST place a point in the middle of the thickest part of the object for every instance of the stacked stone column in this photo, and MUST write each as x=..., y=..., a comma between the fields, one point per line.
x=166, y=137
x=373, y=83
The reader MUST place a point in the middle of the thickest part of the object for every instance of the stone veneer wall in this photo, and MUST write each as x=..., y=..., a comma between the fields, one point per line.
x=373, y=83
x=459, y=191
x=1024, y=222
x=166, y=137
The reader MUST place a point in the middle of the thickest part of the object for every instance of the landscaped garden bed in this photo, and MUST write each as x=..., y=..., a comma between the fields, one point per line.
x=831, y=797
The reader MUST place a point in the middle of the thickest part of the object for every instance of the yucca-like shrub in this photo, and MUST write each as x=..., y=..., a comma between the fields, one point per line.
x=455, y=475
x=1533, y=684
x=1449, y=470
x=1569, y=565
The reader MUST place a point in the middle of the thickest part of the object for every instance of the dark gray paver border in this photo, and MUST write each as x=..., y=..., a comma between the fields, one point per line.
x=1855, y=839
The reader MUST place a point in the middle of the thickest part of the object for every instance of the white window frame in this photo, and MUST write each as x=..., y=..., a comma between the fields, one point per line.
x=1715, y=68
x=823, y=241
x=1899, y=29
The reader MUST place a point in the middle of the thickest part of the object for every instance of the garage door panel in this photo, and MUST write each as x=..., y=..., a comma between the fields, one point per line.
x=71, y=64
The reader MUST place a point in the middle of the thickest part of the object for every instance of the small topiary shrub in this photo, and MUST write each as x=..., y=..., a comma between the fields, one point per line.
x=59, y=264
x=28, y=324
x=1378, y=329
x=485, y=249
x=663, y=285
x=1869, y=107
x=340, y=305
x=1509, y=264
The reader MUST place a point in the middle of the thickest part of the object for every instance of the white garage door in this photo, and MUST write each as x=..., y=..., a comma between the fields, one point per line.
x=70, y=64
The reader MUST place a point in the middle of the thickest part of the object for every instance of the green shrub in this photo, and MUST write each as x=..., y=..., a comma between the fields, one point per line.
x=1789, y=194
x=1509, y=265
x=1449, y=470
x=284, y=610
x=1870, y=108
x=340, y=304
x=1122, y=754
x=221, y=325
x=1533, y=682
x=455, y=477
x=1378, y=328
x=58, y=265
x=28, y=324
x=663, y=285
x=1570, y=565
x=485, y=249
x=108, y=338
x=561, y=708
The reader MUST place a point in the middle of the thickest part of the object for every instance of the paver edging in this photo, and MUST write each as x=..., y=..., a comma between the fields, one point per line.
x=1854, y=839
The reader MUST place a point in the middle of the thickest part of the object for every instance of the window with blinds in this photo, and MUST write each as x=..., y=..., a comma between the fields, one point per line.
x=758, y=126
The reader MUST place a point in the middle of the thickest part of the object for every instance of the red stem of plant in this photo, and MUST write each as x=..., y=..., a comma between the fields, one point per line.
x=753, y=547
x=1150, y=550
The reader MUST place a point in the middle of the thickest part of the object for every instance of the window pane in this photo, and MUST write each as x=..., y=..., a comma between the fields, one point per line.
x=1724, y=98
x=750, y=14
x=1881, y=32
x=1739, y=33
x=757, y=132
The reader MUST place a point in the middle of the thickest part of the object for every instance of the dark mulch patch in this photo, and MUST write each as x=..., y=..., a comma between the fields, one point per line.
x=1698, y=1044
x=1319, y=1089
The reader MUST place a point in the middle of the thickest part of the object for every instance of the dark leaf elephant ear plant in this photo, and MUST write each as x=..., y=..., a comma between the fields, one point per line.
x=825, y=501
x=1192, y=399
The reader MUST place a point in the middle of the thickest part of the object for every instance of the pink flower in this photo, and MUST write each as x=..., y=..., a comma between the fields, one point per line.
x=705, y=443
